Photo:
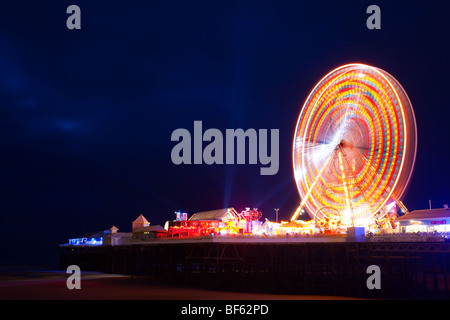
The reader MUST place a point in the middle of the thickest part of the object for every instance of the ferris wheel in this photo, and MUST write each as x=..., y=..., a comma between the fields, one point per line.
x=354, y=146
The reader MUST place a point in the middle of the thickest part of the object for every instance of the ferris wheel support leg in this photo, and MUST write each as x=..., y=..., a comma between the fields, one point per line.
x=297, y=212
x=403, y=207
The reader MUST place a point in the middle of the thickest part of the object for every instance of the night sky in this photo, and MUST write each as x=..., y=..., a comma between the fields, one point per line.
x=87, y=115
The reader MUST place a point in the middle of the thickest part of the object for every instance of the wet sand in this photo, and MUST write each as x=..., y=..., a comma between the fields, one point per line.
x=51, y=285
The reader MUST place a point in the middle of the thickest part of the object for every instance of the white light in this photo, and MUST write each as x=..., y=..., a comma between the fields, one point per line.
x=390, y=206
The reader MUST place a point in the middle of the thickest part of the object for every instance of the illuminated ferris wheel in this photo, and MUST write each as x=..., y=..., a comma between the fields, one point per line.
x=354, y=146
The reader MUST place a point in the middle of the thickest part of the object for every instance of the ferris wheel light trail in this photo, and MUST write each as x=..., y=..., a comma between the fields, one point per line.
x=355, y=144
x=297, y=212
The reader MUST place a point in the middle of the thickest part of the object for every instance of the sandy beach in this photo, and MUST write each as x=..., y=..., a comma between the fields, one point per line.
x=26, y=284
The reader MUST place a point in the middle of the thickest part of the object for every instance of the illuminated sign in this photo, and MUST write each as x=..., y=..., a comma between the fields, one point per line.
x=439, y=222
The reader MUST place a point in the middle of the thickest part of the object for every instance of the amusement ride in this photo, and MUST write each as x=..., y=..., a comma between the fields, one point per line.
x=354, y=148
